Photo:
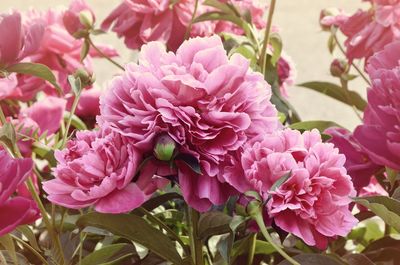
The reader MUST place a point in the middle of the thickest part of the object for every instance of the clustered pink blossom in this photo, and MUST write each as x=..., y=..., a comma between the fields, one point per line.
x=14, y=210
x=379, y=136
x=209, y=104
x=98, y=169
x=369, y=31
x=313, y=203
x=167, y=21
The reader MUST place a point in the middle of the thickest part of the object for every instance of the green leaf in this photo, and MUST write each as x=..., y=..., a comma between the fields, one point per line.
x=331, y=43
x=280, y=181
x=313, y=259
x=134, y=228
x=38, y=70
x=76, y=122
x=75, y=84
x=276, y=43
x=237, y=221
x=357, y=259
x=336, y=92
x=109, y=255
x=28, y=233
x=317, y=124
x=7, y=242
x=391, y=175
x=240, y=248
x=386, y=208
x=226, y=8
x=7, y=135
x=213, y=223
x=85, y=50
x=191, y=161
x=154, y=202
x=396, y=194
x=44, y=152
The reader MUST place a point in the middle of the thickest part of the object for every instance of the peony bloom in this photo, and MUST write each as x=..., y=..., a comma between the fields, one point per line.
x=332, y=17
x=286, y=74
x=313, y=203
x=358, y=164
x=208, y=104
x=71, y=17
x=14, y=211
x=98, y=169
x=159, y=20
x=372, y=189
x=379, y=136
x=369, y=31
x=16, y=40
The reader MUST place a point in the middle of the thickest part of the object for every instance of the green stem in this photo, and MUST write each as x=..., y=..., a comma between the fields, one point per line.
x=31, y=249
x=189, y=28
x=36, y=198
x=252, y=249
x=352, y=62
x=262, y=59
x=257, y=216
x=104, y=55
x=157, y=221
x=348, y=97
x=71, y=114
x=195, y=242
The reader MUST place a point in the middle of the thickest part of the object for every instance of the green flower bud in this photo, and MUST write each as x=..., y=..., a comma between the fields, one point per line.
x=164, y=147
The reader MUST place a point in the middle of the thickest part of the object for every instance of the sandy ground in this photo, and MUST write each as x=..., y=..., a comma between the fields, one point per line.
x=303, y=41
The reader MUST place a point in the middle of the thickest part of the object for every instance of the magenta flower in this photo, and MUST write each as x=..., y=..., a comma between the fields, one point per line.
x=380, y=134
x=16, y=40
x=98, y=169
x=286, y=74
x=208, y=104
x=14, y=210
x=358, y=164
x=313, y=203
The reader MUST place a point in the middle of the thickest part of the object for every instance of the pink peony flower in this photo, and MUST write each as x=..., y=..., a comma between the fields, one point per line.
x=71, y=17
x=159, y=20
x=313, y=203
x=332, y=17
x=358, y=164
x=98, y=169
x=369, y=31
x=14, y=211
x=372, y=189
x=380, y=134
x=209, y=104
x=286, y=73
x=17, y=41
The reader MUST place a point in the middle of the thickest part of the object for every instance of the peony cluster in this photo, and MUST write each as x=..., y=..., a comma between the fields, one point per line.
x=313, y=203
x=208, y=104
x=379, y=135
x=14, y=210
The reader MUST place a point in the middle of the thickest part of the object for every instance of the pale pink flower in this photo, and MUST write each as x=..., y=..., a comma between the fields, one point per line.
x=372, y=189
x=332, y=17
x=209, y=104
x=358, y=164
x=98, y=169
x=16, y=40
x=14, y=210
x=379, y=136
x=313, y=203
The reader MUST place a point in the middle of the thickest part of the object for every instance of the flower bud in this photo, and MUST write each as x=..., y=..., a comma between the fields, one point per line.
x=331, y=17
x=164, y=147
x=339, y=67
x=78, y=19
x=86, y=78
